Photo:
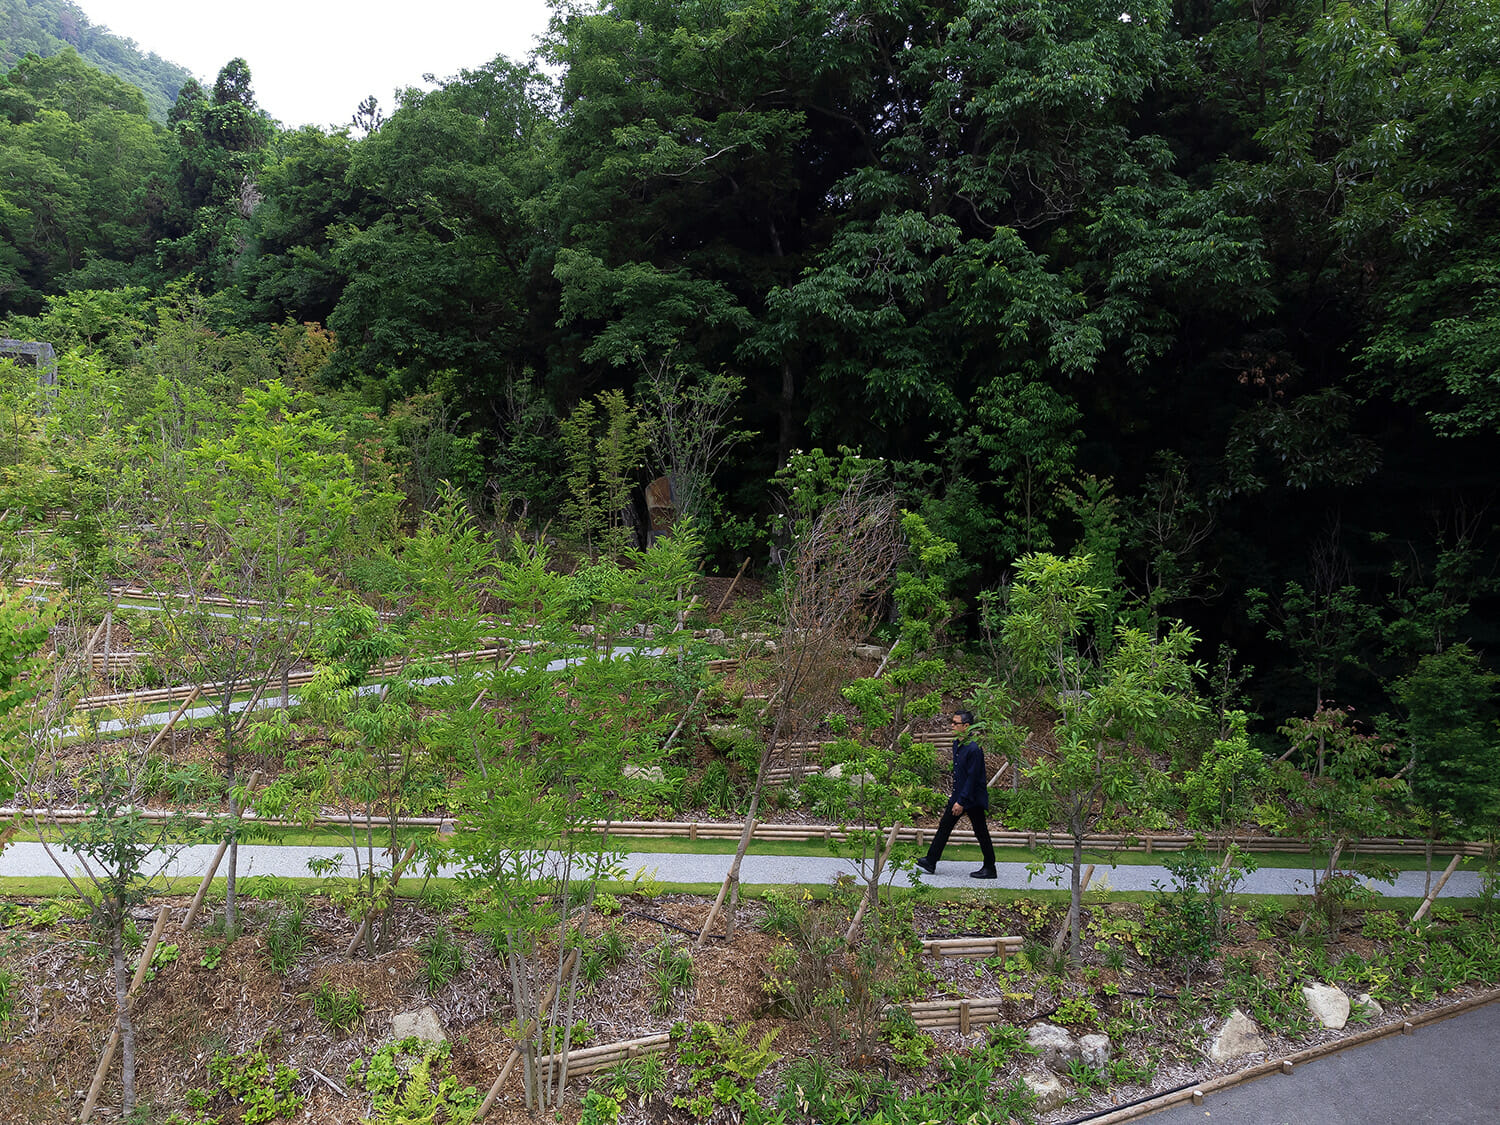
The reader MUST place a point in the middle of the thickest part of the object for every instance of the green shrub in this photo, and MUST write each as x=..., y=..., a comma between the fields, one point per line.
x=442, y=958
x=411, y=1082
x=247, y=1082
x=338, y=1009
x=8, y=995
x=285, y=937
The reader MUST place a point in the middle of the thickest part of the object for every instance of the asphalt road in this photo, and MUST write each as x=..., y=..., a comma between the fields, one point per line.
x=1444, y=1073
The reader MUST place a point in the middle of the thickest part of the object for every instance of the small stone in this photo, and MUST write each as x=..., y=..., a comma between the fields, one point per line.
x=421, y=1024
x=714, y=636
x=868, y=652
x=1055, y=1045
x=1239, y=1036
x=1369, y=1006
x=1048, y=1091
x=644, y=773
x=1329, y=1005
x=1094, y=1050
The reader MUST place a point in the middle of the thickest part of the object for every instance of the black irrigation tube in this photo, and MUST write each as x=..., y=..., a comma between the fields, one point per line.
x=1127, y=1105
x=661, y=922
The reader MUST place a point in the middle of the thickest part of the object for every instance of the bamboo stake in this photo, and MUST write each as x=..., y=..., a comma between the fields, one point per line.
x=161, y=734
x=1432, y=895
x=682, y=721
x=249, y=707
x=724, y=600
x=1083, y=885
x=515, y=1052
x=364, y=927
x=999, y=773
x=208, y=876
x=114, y=1036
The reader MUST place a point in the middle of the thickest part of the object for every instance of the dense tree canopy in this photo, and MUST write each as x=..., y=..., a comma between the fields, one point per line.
x=1206, y=290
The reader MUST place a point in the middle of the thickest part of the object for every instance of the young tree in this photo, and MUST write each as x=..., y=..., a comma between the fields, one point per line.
x=885, y=764
x=1115, y=718
x=577, y=725
x=275, y=503
x=1455, y=743
x=842, y=559
x=604, y=445
x=23, y=632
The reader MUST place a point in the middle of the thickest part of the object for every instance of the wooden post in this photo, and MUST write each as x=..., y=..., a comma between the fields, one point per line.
x=515, y=1052
x=682, y=721
x=999, y=773
x=1432, y=895
x=114, y=1036
x=208, y=876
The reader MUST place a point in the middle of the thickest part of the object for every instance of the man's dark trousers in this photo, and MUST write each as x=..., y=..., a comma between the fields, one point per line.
x=945, y=829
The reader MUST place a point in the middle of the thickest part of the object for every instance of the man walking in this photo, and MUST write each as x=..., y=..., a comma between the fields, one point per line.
x=971, y=795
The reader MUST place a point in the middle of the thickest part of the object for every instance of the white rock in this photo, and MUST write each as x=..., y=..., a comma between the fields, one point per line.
x=1329, y=1005
x=421, y=1024
x=1239, y=1036
x=1369, y=1006
x=1094, y=1050
x=868, y=652
x=644, y=773
x=714, y=636
x=1048, y=1091
x=1055, y=1045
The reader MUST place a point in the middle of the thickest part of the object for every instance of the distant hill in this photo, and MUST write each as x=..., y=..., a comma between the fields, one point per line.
x=47, y=26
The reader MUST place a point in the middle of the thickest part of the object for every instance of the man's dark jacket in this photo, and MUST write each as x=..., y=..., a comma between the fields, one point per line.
x=970, y=788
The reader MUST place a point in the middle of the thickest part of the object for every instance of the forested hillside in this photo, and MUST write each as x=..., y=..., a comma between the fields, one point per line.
x=1206, y=290
x=50, y=27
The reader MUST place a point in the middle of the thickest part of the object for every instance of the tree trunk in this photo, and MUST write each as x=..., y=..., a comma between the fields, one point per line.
x=122, y=1012
x=1076, y=899
x=231, y=902
x=731, y=885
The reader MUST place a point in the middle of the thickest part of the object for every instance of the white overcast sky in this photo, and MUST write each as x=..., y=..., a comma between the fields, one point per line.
x=313, y=61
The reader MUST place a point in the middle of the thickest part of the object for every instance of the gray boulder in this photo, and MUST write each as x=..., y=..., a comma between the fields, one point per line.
x=1328, y=1005
x=859, y=780
x=1239, y=1036
x=1048, y=1091
x=1094, y=1050
x=423, y=1023
x=1054, y=1045
x=868, y=652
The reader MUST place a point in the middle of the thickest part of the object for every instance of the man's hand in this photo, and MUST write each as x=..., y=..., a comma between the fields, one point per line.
x=958, y=810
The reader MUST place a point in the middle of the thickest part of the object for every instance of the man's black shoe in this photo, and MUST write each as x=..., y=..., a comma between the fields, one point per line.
x=927, y=865
x=983, y=873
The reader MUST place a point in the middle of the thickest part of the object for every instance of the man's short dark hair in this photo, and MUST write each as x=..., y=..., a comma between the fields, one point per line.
x=965, y=717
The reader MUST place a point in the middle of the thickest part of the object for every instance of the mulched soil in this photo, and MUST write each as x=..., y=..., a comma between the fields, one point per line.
x=192, y=1010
